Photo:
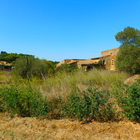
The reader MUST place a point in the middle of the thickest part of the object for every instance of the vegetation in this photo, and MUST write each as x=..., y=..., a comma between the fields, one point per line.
x=128, y=58
x=128, y=98
x=86, y=96
x=67, y=68
x=23, y=101
x=55, y=96
x=29, y=66
x=10, y=57
x=91, y=104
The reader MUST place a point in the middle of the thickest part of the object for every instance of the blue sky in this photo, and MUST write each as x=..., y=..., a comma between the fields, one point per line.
x=62, y=29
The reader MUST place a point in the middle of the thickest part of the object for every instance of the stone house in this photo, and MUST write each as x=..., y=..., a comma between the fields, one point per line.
x=108, y=58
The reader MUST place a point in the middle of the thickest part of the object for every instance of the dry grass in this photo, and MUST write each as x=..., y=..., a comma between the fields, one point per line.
x=62, y=84
x=35, y=129
x=5, y=77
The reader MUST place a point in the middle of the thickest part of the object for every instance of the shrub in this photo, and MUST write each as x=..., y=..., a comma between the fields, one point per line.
x=55, y=108
x=22, y=101
x=29, y=67
x=91, y=104
x=67, y=68
x=128, y=98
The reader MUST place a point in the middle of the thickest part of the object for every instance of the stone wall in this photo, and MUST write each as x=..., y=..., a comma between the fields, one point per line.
x=110, y=58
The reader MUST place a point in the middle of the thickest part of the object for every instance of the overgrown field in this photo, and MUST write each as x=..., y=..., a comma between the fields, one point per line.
x=97, y=96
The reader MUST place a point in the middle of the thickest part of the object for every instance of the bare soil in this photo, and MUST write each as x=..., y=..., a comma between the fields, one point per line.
x=42, y=129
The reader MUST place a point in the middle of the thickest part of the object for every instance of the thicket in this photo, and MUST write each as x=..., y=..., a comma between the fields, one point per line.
x=22, y=101
x=29, y=67
x=128, y=98
x=91, y=104
x=86, y=105
x=66, y=68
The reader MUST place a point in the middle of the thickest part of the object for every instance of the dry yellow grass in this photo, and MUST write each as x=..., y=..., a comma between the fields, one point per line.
x=62, y=84
x=35, y=129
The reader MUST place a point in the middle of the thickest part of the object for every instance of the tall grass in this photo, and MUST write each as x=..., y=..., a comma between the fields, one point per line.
x=5, y=77
x=62, y=83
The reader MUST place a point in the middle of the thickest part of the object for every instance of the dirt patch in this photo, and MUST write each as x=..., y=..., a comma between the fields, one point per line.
x=132, y=79
x=35, y=129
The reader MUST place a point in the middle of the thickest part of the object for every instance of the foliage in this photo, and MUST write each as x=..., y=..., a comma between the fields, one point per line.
x=29, y=66
x=67, y=68
x=128, y=98
x=91, y=104
x=128, y=58
x=81, y=104
x=22, y=101
x=129, y=36
x=10, y=57
x=23, y=66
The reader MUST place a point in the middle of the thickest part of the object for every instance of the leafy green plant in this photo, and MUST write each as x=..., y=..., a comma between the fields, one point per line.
x=91, y=104
x=22, y=101
x=67, y=68
x=128, y=98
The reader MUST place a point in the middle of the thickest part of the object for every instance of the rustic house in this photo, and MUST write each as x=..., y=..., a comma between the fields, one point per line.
x=108, y=58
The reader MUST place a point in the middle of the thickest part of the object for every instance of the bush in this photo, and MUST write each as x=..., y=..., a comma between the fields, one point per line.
x=22, y=101
x=128, y=98
x=29, y=67
x=91, y=104
x=67, y=68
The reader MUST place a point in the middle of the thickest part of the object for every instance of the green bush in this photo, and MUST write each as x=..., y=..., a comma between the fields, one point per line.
x=29, y=67
x=67, y=68
x=128, y=98
x=22, y=101
x=89, y=105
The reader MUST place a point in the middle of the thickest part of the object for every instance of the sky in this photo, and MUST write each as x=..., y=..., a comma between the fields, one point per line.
x=64, y=29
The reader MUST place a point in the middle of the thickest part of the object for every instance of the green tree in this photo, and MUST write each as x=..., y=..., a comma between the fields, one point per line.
x=128, y=58
x=23, y=66
x=29, y=66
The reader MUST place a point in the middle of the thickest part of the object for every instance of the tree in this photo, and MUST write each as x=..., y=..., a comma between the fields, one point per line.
x=29, y=66
x=23, y=66
x=128, y=57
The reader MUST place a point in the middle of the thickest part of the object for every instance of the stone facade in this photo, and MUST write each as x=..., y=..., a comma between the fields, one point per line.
x=108, y=57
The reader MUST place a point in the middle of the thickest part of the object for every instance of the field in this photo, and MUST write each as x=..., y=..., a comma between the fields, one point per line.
x=64, y=107
x=36, y=129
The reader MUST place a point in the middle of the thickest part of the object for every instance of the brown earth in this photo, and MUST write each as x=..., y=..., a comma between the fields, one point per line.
x=42, y=129
x=132, y=79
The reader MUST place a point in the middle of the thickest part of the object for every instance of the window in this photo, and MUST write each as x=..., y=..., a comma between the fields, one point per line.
x=112, y=62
